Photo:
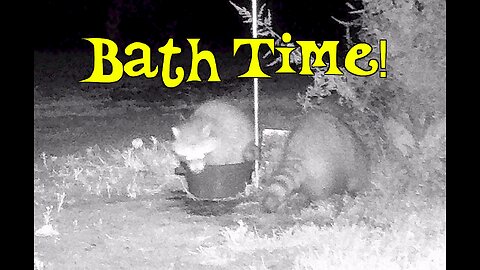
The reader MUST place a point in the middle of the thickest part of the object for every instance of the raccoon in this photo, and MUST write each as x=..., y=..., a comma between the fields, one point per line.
x=322, y=156
x=217, y=133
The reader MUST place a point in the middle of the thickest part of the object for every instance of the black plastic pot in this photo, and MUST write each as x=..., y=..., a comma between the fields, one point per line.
x=219, y=181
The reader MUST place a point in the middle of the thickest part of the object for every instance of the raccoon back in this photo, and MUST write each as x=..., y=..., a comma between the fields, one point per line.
x=322, y=156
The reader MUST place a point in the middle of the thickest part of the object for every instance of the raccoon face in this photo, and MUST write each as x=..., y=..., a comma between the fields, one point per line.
x=193, y=145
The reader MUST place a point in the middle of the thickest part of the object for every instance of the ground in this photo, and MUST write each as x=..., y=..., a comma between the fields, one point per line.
x=100, y=203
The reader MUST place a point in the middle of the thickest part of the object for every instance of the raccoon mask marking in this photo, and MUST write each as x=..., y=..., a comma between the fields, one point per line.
x=194, y=149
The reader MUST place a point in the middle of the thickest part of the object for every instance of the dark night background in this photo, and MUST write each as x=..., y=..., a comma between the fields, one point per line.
x=61, y=25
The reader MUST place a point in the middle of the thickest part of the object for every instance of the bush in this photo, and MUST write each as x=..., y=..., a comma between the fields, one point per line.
x=405, y=114
x=402, y=118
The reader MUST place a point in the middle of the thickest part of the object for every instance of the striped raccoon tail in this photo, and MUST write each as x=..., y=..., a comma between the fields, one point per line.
x=286, y=179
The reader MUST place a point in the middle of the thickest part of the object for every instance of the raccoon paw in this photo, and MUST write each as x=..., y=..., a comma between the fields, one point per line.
x=189, y=167
x=196, y=166
x=251, y=153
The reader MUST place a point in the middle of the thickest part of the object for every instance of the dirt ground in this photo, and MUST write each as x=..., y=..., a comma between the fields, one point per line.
x=86, y=130
x=164, y=231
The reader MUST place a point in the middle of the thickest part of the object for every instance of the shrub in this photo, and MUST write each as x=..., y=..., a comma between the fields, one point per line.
x=402, y=118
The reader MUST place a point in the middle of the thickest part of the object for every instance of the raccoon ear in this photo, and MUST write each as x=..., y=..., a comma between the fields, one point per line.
x=176, y=132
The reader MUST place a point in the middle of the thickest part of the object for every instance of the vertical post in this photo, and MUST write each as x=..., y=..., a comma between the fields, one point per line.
x=255, y=94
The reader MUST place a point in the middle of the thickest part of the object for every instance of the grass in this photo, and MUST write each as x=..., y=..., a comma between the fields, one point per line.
x=106, y=172
x=113, y=204
x=369, y=232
